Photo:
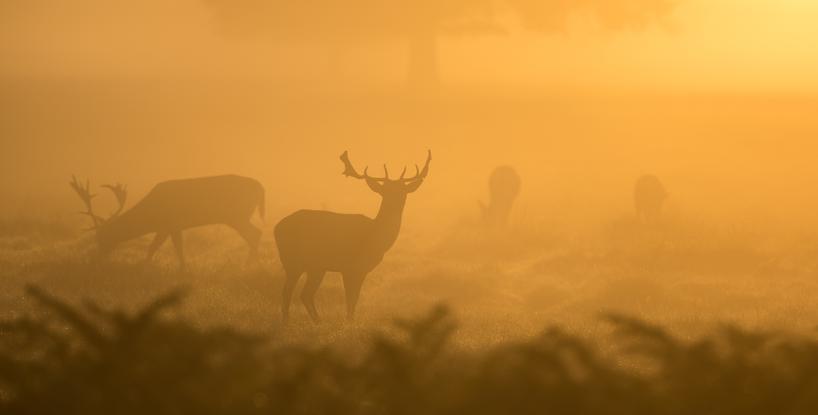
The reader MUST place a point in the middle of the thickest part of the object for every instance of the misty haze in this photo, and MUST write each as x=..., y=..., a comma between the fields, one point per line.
x=408, y=206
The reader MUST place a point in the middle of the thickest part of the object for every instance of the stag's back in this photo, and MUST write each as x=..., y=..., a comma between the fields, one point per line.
x=178, y=204
x=323, y=241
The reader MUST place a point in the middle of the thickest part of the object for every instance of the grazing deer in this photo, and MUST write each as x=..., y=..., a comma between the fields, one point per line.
x=316, y=242
x=649, y=196
x=175, y=205
x=504, y=187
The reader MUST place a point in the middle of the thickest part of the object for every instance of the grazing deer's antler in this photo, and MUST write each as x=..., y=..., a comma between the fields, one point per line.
x=84, y=192
x=120, y=191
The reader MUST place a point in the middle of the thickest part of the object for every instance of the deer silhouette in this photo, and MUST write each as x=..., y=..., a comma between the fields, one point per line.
x=316, y=242
x=504, y=187
x=649, y=196
x=175, y=205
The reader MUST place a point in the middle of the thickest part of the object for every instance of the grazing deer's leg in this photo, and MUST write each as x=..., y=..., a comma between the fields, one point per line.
x=314, y=279
x=180, y=250
x=158, y=240
x=287, y=293
x=252, y=235
x=352, y=287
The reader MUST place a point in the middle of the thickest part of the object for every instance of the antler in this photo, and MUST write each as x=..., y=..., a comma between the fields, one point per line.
x=120, y=191
x=84, y=192
x=350, y=171
x=419, y=175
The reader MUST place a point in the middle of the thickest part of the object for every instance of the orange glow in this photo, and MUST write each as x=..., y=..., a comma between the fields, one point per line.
x=575, y=158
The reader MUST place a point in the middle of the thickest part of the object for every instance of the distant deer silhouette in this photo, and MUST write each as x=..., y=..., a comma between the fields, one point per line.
x=317, y=242
x=649, y=196
x=173, y=206
x=504, y=187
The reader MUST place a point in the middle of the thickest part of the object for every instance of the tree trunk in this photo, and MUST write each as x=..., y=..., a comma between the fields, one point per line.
x=423, y=73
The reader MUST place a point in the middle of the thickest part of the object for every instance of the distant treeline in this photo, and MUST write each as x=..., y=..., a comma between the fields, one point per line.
x=87, y=360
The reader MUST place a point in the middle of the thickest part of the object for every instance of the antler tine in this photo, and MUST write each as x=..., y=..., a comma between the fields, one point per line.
x=84, y=193
x=350, y=171
x=410, y=179
x=120, y=191
x=425, y=171
x=419, y=175
x=385, y=172
x=403, y=173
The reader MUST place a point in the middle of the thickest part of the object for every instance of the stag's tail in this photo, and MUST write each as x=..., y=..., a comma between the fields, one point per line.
x=261, y=205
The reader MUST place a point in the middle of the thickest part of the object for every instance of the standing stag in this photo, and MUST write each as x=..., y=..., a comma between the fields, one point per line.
x=175, y=205
x=649, y=196
x=504, y=187
x=316, y=242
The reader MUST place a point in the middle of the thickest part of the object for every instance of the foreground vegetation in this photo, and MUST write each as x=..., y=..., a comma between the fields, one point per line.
x=684, y=319
x=73, y=359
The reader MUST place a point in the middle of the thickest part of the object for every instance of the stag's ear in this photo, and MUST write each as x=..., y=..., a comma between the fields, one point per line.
x=411, y=187
x=374, y=185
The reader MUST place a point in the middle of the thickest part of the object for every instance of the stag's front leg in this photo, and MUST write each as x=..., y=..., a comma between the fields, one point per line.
x=158, y=240
x=352, y=287
x=314, y=279
x=180, y=250
x=287, y=294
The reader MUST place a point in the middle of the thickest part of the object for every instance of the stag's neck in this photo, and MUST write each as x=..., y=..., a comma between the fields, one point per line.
x=125, y=227
x=387, y=222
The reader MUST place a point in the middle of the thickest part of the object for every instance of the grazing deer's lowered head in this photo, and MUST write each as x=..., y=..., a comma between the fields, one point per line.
x=317, y=242
x=106, y=240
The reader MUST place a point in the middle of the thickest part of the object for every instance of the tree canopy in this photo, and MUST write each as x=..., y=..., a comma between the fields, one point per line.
x=421, y=22
x=316, y=19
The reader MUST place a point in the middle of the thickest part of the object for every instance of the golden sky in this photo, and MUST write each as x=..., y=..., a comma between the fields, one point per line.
x=143, y=91
x=705, y=44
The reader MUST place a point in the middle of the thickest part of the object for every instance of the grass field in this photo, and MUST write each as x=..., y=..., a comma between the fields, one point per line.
x=500, y=285
x=679, y=318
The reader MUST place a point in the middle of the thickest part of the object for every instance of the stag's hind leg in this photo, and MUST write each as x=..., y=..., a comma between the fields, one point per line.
x=252, y=235
x=314, y=279
x=178, y=242
x=287, y=293
x=158, y=240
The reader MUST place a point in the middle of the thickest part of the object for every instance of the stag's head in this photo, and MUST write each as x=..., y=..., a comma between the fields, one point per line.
x=101, y=225
x=386, y=187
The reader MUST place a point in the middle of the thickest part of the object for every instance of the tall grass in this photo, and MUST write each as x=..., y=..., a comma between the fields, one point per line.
x=83, y=359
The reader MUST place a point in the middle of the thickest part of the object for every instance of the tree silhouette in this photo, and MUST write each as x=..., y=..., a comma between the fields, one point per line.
x=422, y=22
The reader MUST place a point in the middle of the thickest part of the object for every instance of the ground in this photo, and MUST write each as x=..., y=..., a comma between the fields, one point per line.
x=501, y=285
